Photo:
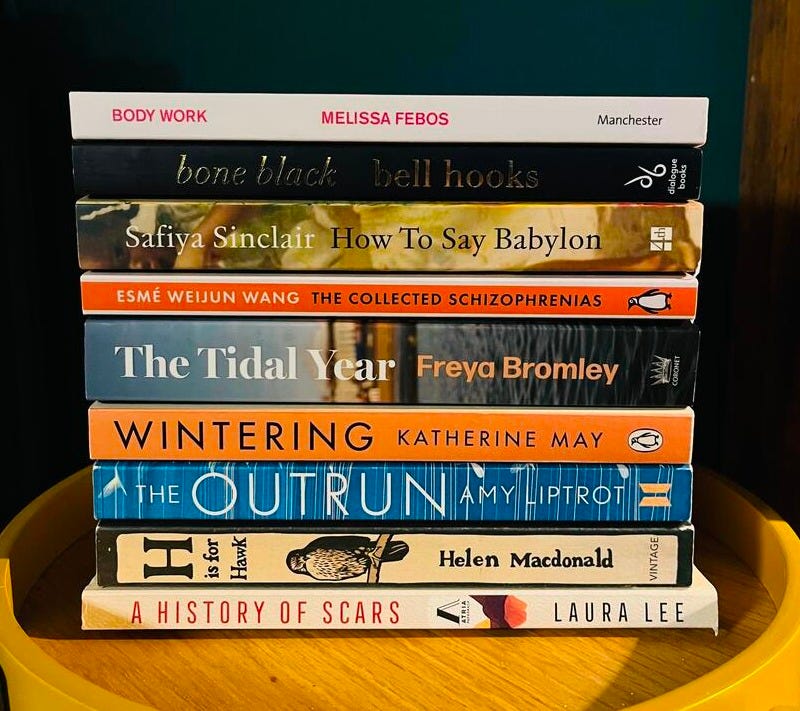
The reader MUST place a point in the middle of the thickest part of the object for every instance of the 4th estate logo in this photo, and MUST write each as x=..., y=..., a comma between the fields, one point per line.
x=660, y=239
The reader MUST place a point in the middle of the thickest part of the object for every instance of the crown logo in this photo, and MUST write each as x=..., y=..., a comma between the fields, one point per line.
x=660, y=371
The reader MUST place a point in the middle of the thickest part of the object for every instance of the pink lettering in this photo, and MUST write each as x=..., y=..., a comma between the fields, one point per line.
x=383, y=118
x=132, y=115
x=183, y=115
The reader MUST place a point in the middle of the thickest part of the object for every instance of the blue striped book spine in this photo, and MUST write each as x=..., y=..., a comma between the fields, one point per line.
x=391, y=491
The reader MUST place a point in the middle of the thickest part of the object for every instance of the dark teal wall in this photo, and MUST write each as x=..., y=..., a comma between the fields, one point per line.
x=647, y=47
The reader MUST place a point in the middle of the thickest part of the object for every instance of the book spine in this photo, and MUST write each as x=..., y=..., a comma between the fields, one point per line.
x=385, y=491
x=378, y=433
x=224, y=235
x=430, y=362
x=358, y=117
x=129, y=554
x=492, y=172
x=322, y=295
x=238, y=607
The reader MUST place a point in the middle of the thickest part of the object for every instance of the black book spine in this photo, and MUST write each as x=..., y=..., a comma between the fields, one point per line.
x=438, y=362
x=387, y=172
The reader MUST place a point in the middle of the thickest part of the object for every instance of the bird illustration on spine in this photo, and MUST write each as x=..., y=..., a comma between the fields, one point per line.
x=114, y=485
x=336, y=558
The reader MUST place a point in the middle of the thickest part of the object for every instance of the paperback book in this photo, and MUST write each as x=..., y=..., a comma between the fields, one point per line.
x=410, y=237
x=237, y=432
x=467, y=492
x=429, y=362
x=672, y=297
x=507, y=172
x=205, y=553
x=387, y=117
x=172, y=607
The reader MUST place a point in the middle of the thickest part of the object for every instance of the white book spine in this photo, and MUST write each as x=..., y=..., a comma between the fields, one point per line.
x=176, y=607
x=368, y=117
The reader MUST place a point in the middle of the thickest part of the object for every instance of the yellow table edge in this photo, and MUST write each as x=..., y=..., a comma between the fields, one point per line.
x=765, y=675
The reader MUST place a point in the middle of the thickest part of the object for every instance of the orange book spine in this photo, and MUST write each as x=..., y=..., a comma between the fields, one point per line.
x=268, y=295
x=245, y=432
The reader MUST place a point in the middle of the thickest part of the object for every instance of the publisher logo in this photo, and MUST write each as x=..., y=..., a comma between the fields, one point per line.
x=665, y=370
x=645, y=180
x=660, y=239
x=450, y=612
x=456, y=612
x=645, y=440
x=656, y=496
x=652, y=301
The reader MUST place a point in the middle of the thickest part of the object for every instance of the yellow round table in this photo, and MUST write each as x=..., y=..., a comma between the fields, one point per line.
x=743, y=547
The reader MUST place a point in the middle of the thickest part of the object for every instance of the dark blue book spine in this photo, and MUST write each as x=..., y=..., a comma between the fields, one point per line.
x=392, y=491
x=446, y=172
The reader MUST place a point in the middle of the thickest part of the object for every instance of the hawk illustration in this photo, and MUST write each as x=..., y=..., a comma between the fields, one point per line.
x=334, y=558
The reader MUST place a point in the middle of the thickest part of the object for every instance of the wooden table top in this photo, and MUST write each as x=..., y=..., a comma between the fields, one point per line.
x=549, y=669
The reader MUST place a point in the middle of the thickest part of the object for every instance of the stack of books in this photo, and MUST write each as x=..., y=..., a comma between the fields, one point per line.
x=364, y=361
